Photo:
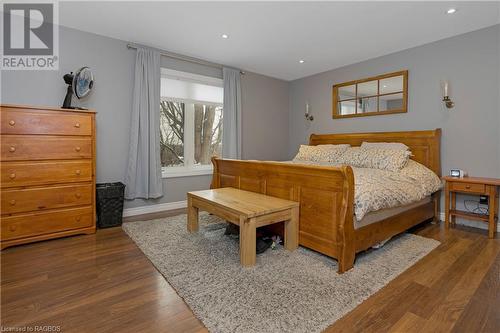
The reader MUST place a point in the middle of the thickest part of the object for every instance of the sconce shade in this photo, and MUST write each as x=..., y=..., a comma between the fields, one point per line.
x=445, y=86
x=307, y=115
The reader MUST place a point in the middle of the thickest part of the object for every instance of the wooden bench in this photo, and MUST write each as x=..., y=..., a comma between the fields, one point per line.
x=248, y=210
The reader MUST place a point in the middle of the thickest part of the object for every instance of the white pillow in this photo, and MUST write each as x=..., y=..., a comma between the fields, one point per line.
x=376, y=158
x=384, y=145
x=321, y=153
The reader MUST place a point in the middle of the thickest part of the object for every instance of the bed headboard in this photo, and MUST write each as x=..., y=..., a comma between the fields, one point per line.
x=425, y=145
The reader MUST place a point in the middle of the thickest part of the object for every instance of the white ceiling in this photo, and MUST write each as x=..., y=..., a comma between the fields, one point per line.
x=270, y=37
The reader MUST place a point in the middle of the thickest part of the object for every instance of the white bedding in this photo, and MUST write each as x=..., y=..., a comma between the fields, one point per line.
x=377, y=189
x=382, y=214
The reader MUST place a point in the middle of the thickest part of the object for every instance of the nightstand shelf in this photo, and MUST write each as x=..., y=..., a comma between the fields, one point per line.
x=470, y=215
x=475, y=186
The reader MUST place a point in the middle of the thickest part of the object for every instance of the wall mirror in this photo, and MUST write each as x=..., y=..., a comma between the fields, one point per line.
x=383, y=94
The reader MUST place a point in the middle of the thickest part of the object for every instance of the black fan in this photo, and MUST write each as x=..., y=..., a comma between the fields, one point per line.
x=79, y=83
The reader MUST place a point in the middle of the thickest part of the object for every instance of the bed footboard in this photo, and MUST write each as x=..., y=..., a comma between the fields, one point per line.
x=325, y=194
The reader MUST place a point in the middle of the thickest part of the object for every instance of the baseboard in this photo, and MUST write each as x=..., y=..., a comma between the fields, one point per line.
x=468, y=223
x=154, y=208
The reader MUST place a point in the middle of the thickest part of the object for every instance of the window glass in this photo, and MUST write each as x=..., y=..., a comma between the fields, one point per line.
x=191, y=114
x=172, y=133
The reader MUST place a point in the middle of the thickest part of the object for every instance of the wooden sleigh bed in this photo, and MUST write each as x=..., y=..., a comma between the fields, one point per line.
x=326, y=194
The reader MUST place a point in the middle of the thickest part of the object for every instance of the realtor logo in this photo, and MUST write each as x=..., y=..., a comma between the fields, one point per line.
x=30, y=36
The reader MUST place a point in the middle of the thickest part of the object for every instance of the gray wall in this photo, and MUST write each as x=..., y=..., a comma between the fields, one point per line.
x=498, y=94
x=264, y=105
x=265, y=117
x=273, y=121
x=470, y=62
x=470, y=137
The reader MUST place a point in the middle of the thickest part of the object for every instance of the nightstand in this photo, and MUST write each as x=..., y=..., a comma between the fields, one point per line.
x=472, y=185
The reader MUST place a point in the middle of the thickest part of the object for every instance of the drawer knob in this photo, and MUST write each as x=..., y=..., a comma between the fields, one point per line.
x=78, y=195
x=78, y=218
x=12, y=228
x=12, y=122
x=12, y=176
x=77, y=125
x=78, y=172
x=78, y=148
x=12, y=202
x=467, y=187
x=12, y=149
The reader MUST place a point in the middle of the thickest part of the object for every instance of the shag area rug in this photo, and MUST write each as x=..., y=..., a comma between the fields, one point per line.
x=286, y=291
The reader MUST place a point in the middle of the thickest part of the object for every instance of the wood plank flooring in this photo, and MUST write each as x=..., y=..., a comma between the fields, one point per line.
x=103, y=283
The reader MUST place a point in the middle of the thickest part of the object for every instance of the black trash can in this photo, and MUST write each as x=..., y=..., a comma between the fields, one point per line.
x=109, y=204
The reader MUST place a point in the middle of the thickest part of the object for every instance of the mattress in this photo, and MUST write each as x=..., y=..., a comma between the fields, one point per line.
x=382, y=214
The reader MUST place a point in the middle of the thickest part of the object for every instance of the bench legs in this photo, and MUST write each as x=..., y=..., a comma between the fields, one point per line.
x=248, y=235
x=192, y=225
x=292, y=230
x=248, y=228
x=247, y=241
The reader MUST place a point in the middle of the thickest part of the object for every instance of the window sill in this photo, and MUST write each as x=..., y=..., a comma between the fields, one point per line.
x=185, y=172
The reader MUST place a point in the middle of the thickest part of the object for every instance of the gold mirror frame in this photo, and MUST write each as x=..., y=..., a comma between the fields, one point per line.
x=403, y=109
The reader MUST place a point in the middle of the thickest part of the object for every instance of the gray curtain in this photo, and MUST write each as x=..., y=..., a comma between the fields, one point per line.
x=143, y=175
x=231, y=138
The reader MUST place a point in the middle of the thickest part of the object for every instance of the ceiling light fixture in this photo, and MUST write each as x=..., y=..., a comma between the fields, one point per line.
x=451, y=11
x=224, y=36
x=302, y=61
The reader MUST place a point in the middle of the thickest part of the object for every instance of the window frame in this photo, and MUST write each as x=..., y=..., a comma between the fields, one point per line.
x=335, y=96
x=189, y=168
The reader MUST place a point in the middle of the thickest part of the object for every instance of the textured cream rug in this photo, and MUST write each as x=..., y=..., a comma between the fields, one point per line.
x=296, y=291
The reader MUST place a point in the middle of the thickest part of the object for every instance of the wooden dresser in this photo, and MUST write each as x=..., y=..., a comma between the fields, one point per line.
x=47, y=173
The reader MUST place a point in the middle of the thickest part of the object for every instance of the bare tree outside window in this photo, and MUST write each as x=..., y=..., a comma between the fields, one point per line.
x=207, y=132
x=171, y=133
x=207, y=129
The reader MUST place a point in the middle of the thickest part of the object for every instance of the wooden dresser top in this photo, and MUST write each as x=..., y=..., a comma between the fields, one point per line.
x=51, y=108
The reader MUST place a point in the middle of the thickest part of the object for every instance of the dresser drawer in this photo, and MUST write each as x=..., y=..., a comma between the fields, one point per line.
x=45, y=122
x=35, y=224
x=467, y=187
x=41, y=173
x=34, y=199
x=40, y=147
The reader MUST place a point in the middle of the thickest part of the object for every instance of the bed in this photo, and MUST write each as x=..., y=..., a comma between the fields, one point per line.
x=326, y=193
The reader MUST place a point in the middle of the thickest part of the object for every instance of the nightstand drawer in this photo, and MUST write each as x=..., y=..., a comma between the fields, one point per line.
x=468, y=187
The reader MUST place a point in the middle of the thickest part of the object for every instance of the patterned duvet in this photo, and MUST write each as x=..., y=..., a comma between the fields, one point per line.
x=377, y=189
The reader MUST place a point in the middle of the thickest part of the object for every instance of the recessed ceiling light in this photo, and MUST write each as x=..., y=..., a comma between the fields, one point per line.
x=224, y=36
x=451, y=11
x=384, y=86
x=302, y=61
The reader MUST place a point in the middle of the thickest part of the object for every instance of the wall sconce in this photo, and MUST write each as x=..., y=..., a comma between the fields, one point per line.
x=307, y=115
x=446, y=95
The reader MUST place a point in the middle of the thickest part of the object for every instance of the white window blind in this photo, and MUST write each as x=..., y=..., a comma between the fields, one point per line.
x=191, y=87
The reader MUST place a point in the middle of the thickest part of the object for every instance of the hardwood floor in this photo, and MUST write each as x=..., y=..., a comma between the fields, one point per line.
x=96, y=283
x=103, y=283
x=453, y=289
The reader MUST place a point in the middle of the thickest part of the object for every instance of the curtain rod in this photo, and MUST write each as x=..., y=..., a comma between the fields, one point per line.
x=185, y=58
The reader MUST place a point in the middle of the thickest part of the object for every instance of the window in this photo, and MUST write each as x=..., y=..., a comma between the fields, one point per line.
x=190, y=123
